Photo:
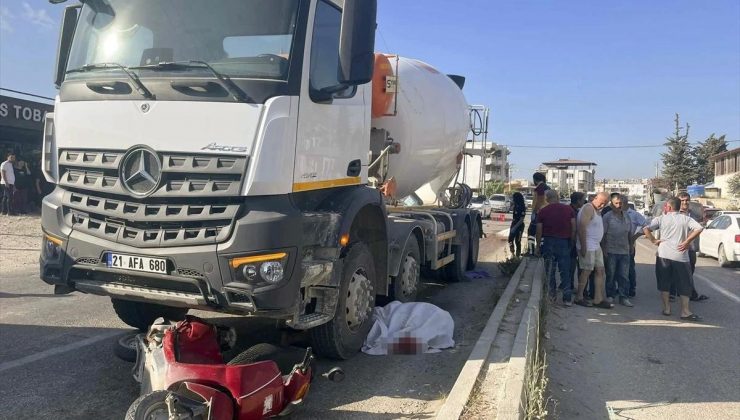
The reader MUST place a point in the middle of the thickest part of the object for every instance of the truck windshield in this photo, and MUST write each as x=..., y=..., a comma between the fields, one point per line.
x=238, y=38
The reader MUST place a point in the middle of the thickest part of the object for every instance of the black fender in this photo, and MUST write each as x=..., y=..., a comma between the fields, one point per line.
x=363, y=217
x=399, y=235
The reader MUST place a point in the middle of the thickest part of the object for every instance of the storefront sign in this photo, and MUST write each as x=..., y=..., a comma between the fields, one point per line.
x=20, y=113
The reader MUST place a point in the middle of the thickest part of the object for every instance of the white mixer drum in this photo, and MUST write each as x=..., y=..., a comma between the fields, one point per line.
x=431, y=126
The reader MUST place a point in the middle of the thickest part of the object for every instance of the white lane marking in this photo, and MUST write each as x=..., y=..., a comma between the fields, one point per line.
x=56, y=350
x=720, y=289
x=709, y=283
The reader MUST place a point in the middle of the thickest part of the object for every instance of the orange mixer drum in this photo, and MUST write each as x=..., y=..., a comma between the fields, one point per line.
x=381, y=98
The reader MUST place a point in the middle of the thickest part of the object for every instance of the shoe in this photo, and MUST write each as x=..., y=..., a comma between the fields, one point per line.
x=610, y=300
x=604, y=305
x=584, y=303
x=626, y=302
x=568, y=303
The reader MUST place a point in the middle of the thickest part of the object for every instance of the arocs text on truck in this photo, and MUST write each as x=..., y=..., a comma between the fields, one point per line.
x=238, y=156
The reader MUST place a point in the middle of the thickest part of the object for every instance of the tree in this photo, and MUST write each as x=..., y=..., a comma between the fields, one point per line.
x=678, y=164
x=733, y=184
x=493, y=187
x=704, y=168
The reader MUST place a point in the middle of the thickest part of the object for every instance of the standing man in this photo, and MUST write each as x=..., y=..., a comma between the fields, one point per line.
x=590, y=255
x=556, y=225
x=7, y=182
x=638, y=222
x=577, y=200
x=672, y=266
x=694, y=248
x=616, y=246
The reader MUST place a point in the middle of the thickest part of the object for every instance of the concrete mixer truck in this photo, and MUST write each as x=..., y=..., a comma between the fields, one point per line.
x=242, y=157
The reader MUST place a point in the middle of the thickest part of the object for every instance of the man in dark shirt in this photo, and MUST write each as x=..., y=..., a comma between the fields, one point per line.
x=556, y=231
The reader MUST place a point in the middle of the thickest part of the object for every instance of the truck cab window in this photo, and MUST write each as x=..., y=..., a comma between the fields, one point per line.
x=324, y=71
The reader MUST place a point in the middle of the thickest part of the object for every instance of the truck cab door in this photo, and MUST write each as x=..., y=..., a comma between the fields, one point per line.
x=333, y=134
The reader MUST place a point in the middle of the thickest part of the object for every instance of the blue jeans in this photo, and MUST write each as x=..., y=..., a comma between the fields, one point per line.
x=556, y=252
x=617, y=275
x=633, y=276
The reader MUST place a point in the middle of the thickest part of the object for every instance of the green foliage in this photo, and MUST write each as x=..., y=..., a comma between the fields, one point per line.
x=678, y=164
x=509, y=265
x=703, y=167
x=493, y=187
x=733, y=184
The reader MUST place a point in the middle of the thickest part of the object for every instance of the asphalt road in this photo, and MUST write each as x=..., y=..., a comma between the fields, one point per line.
x=635, y=363
x=56, y=358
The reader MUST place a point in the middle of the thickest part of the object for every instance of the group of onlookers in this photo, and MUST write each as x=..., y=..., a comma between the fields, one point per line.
x=591, y=245
x=22, y=186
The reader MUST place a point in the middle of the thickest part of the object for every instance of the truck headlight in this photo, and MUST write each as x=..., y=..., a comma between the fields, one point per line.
x=267, y=268
x=271, y=272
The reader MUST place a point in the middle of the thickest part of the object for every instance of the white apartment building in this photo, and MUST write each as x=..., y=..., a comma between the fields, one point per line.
x=568, y=175
x=483, y=162
x=635, y=189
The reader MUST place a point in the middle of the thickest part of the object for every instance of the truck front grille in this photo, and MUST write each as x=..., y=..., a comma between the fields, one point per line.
x=195, y=203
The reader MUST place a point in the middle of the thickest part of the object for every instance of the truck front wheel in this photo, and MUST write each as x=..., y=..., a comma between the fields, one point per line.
x=141, y=315
x=344, y=335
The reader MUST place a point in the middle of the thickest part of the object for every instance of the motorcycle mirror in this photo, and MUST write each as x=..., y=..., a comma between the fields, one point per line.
x=335, y=374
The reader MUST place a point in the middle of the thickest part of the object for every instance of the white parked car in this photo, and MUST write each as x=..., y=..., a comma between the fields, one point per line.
x=500, y=203
x=483, y=205
x=721, y=239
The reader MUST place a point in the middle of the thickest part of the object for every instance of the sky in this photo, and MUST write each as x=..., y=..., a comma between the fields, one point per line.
x=554, y=73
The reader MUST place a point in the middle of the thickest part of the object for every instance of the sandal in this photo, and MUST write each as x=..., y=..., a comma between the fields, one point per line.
x=692, y=317
x=699, y=298
x=583, y=303
x=604, y=305
x=666, y=313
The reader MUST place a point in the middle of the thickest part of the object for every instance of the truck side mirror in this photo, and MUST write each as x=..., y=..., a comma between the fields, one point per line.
x=357, y=42
x=69, y=22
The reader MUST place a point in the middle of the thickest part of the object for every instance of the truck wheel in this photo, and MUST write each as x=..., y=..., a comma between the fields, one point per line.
x=344, y=335
x=455, y=271
x=406, y=284
x=141, y=315
x=474, y=245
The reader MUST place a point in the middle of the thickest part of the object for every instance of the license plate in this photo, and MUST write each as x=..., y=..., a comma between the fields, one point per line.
x=137, y=263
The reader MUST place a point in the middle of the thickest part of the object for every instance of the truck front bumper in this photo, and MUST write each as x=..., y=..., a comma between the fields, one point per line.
x=201, y=276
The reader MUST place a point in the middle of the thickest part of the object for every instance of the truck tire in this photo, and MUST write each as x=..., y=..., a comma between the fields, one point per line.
x=455, y=271
x=345, y=334
x=141, y=315
x=474, y=244
x=405, y=286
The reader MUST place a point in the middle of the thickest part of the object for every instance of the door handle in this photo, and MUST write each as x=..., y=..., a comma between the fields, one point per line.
x=354, y=168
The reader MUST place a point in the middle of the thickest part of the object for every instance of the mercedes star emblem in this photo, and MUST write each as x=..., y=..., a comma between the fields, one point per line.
x=141, y=172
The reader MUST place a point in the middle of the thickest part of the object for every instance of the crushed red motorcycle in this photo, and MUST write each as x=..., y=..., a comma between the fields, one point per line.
x=183, y=375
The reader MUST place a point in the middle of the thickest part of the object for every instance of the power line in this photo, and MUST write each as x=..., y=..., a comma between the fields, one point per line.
x=27, y=94
x=523, y=146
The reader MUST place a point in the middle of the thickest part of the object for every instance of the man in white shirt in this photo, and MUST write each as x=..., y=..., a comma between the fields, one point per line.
x=672, y=266
x=7, y=182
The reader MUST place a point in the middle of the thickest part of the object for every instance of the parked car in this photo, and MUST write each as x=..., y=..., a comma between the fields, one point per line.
x=483, y=205
x=721, y=239
x=501, y=203
x=528, y=200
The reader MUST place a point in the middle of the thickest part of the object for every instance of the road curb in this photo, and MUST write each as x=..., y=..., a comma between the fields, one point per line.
x=458, y=397
x=513, y=398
